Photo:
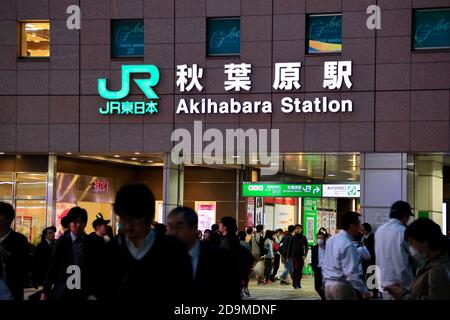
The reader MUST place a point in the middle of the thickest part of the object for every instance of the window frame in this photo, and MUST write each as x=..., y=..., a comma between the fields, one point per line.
x=125, y=57
x=413, y=31
x=307, y=16
x=225, y=55
x=20, y=36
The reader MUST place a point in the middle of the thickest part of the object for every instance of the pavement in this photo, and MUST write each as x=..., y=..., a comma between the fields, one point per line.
x=276, y=291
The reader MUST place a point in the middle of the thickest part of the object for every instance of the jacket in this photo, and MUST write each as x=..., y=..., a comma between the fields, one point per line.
x=298, y=246
x=432, y=281
x=41, y=261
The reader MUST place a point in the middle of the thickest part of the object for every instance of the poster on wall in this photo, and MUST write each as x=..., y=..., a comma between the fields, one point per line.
x=250, y=214
x=284, y=216
x=259, y=210
x=159, y=211
x=206, y=211
x=24, y=225
x=62, y=208
x=333, y=225
x=310, y=219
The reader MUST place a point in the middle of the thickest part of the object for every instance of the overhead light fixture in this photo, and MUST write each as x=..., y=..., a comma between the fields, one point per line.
x=150, y=161
x=331, y=175
x=69, y=153
x=2, y=153
x=235, y=156
x=351, y=179
x=134, y=159
x=137, y=153
x=302, y=169
x=116, y=156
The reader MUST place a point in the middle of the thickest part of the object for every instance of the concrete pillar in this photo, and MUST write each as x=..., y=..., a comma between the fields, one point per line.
x=51, y=190
x=173, y=185
x=385, y=178
x=429, y=188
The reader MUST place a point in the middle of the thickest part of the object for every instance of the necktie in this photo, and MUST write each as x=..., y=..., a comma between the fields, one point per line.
x=81, y=252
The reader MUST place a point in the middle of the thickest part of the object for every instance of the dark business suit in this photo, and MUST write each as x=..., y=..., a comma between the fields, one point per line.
x=17, y=264
x=318, y=285
x=63, y=256
x=163, y=274
x=215, y=279
x=298, y=248
x=41, y=261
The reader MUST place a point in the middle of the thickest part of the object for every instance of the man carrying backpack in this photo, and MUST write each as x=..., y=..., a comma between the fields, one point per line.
x=283, y=250
x=257, y=246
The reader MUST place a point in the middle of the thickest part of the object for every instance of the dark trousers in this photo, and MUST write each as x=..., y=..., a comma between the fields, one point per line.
x=318, y=285
x=297, y=272
x=276, y=265
x=267, y=268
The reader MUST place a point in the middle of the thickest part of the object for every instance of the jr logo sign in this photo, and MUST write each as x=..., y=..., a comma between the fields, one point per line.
x=131, y=107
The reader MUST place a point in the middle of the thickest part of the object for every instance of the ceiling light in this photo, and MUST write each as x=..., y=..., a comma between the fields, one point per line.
x=150, y=161
x=2, y=153
x=116, y=156
x=331, y=175
x=134, y=159
x=137, y=153
x=69, y=153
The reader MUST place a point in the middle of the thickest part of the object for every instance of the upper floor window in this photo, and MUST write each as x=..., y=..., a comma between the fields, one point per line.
x=127, y=38
x=224, y=37
x=35, y=39
x=324, y=33
x=431, y=29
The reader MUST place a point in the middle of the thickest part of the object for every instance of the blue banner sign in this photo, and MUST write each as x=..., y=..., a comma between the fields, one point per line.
x=224, y=37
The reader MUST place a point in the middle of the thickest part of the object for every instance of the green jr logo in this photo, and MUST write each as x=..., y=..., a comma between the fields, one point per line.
x=144, y=84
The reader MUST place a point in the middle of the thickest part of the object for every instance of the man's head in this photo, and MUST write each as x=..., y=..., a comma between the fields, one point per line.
x=249, y=230
x=291, y=229
x=350, y=223
x=259, y=228
x=135, y=206
x=214, y=228
x=227, y=226
x=401, y=210
x=298, y=228
x=206, y=234
x=100, y=225
x=366, y=229
x=49, y=233
x=77, y=218
x=7, y=215
x=182, y=223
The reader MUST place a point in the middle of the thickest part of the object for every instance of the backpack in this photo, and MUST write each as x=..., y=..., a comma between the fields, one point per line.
x=283, y=248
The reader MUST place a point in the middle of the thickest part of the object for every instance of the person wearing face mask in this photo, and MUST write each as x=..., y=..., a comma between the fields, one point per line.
x=317, y=253
x=391, y=251
x=428, y=247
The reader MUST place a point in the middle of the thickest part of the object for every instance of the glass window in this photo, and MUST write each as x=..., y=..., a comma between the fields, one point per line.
x=431, y=29
x=30, y=218
x=224, y=37
x=31, y=185
x=324, y=33
x=6, y=186
x=127, y=38
x=35, y=39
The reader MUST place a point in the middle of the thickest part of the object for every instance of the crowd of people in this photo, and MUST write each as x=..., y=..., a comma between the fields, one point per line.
x=177, y=262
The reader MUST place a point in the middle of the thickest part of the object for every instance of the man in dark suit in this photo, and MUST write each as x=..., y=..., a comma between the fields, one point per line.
x=317, y=252
x=297, y=251
x=14, y=256
x=74, y=261
x=369, y=243
x=214, y=274
x=144, y=265
x=42, y=255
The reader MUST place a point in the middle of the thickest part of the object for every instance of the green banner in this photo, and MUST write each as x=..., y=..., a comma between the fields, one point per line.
x=310, y=219
x=281, y=190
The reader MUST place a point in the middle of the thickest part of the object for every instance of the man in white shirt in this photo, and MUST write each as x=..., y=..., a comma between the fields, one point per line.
x=391, y=250
x=340, y=265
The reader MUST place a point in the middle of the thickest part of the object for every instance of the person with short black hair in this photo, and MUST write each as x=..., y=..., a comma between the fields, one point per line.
x=340, y=265
x=213, y=268
x=283, y=249
x=317, y=253
x=391, y=250
x=141, y=261
x=215, y=238
x=42, y=255
x=241, y=257
x=14, y=256
x=206, y=235
x=428, y=246
x=73, y=248
x=249, y=233
x=297, y=252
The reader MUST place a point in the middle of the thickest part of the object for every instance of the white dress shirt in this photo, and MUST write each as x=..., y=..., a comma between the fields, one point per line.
x=195, y=254
x=340, y=265
x=139, y=253
x=392, y=256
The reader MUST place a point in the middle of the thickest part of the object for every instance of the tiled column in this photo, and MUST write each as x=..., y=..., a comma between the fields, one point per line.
x=385, y=178
x=51, y=190
x=429, y=187
x=173, y=186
